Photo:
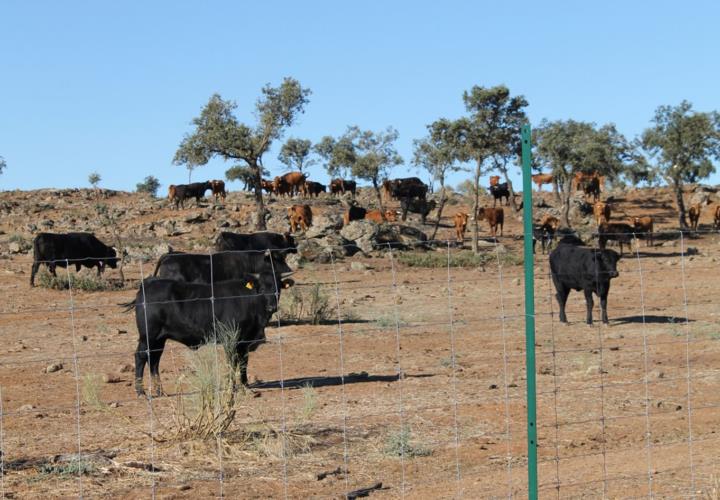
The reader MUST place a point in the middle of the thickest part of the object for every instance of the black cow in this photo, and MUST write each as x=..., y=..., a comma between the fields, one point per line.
x=81, y=249
x=184, y=192
x=581, y=268
x=224, y=266
x=312, y=188
x=544, y=234
x=615, y=231
x=499, y=192
x=409, y=187
x=263, y=240
x=418, y=206
x=190, y=312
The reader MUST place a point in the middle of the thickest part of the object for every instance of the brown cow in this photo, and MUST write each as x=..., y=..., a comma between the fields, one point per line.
x=342, y=186
x=602, y=212
x=218, y=189
x=289, y=183
x=541, y=179
x=461, y=221
x=694, y=215
x=494, y=216
x=549, y=223
x=717, y=217
x=300, y=215
x=266, y=185
x=644, y=225
x=376, y=216
x=172, y=193
x=494, y=180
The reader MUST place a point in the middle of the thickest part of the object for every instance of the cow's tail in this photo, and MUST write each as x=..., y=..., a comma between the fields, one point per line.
x=157, y=266
x=128, y=306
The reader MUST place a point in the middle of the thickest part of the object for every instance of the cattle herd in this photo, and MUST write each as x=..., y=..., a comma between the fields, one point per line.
x=241, y=282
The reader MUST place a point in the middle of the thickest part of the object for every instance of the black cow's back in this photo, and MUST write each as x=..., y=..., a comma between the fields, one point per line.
x=259, y=241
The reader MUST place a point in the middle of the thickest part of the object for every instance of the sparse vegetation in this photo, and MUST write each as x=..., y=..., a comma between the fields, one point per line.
x=87, y=282
x=463, y=258
x=309, y=401
x=400, y=444
x=70, y=468
x=305, y=304
x=94, y=179
x=24, y=244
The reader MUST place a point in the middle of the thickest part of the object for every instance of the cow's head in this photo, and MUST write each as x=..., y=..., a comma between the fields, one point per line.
x=391, y=215
x=607, y=263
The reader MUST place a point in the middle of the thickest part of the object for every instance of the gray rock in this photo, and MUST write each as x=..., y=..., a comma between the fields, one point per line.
x=699, y=198
x=359, y=229
x=324, y=225
x=55, y=367
x=359, y=266
x=309, y=249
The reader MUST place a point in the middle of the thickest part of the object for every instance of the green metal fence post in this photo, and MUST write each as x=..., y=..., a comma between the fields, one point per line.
x=529, y=315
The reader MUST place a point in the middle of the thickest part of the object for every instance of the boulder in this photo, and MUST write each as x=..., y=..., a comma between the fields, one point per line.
x=337, y=245
x=359, y=229
x=699, y=198
x=310, y=249
x=324, y=225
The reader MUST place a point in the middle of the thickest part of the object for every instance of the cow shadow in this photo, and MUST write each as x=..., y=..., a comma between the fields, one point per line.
x=688, y=252
x=651, y=319
x=323, y=322
x=351, y=378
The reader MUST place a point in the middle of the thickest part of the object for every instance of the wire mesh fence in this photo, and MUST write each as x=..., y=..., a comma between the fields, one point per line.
x=411, y=382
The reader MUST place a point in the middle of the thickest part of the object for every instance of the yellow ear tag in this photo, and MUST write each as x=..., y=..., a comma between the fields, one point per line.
x=249, y=285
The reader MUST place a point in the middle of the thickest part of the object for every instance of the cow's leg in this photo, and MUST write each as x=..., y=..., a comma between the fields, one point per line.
x=140, y=360
x=562, y=295
x=501, y=229
x=154, y=362
x=589, y=305
x=33, y=272
x=78, y=266
x=603, y=306
x=52, y=267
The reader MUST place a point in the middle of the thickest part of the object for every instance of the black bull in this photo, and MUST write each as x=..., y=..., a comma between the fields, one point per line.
x=586, y=269
x=190, y=313
x=80, y=249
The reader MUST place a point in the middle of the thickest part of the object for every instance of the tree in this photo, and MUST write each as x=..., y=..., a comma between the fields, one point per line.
x=150, y=185
x=568, y=147
x=244, y=174
x=295, y=153
x=490, y=135
x=437, y=153
x=219, y=133
x=94, y=179
x=339, y=155
x=375, y=155
x=3, y=164
x=683, y=142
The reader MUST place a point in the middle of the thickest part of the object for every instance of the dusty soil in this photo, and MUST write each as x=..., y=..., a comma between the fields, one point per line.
x=626, y=409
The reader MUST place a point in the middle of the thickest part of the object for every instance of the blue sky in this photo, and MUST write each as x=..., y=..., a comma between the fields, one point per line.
x=112, y=86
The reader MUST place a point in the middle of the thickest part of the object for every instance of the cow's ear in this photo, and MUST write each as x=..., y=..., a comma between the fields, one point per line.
x=287, y=283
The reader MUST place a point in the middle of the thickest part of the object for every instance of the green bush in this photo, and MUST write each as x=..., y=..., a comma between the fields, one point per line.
x=85, y=282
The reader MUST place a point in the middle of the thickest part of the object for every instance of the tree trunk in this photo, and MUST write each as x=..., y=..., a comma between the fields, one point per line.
x=504, y=171
x=565, y=209
x=440, y=210
x=476, y=205
x=379, y=197
x=556, y=191
x=259, y=204
x=678, y=189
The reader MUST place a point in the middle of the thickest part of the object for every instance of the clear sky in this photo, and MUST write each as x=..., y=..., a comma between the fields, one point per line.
x=112, y=86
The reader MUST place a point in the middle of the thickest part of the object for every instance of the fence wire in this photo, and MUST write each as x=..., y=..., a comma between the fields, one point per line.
x=423, y=415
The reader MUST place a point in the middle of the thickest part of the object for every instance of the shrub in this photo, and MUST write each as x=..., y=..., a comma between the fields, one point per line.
x=94, y=179
x=85, y=282
x=150, y=185
x=464, y=258
x=400, y=444
x=305, y=305
x=208, y=407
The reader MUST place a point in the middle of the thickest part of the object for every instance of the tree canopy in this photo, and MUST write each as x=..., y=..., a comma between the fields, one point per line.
x=219, y=133
x=150, y=185
x=3, y=164
x=683, y=144
x=295, y=153
x=338, y=154
x=570, y=146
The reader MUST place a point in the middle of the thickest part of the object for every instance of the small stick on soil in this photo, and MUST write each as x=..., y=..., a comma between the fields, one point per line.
x=364, y=492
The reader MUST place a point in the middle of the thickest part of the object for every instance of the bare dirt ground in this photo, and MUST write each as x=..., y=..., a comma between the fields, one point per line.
x=433, y=357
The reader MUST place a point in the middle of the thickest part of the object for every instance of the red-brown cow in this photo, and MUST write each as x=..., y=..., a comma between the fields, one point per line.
x=461, y=221
x=644, y=225
x=494, y=216
x=218, y=189
x=300, y=215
